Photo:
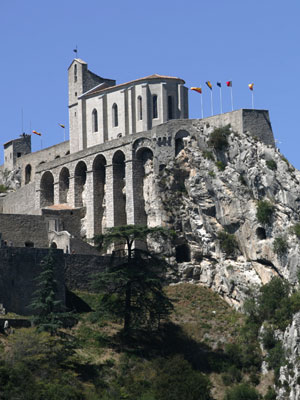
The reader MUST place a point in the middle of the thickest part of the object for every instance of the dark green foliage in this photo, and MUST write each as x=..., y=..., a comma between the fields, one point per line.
x=218, y=138
x=280, y=246
x=208, y=155
x=131, y=290
x=242, y=180
x=271, y=164
x=212, y=174
x=268, y=339
x=49, y=311
x=220, y=165
x=3, y=189
x=228, y=243
x=264, y=212
x=271, y=394
x=276, y=358
x=242, y=392
x=296, y=230
x=232, y=375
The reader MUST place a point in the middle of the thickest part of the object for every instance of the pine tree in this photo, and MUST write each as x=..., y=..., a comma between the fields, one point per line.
x=131, y=289
x=49, y=310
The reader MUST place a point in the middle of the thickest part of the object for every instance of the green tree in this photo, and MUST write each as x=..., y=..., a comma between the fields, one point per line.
x=49, y=311
x=132, y=289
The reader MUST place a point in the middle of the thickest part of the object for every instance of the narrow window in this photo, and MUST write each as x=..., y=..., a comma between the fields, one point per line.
x=115, y=115
x=154, y=106
x=170, y=107
x=95, y=121
x=140, y=108
x=75, y=73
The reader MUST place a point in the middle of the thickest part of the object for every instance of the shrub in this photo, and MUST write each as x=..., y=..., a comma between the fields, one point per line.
x=218, y=138
x=264, y=212
x=212, y=174
x=208, y=155
x=271, y=164
x=242, y=392
x=3, y=189
x=242, y=180
x=280, y=246
x=220, y=165
x=296, y=230
x=233, y=375
x=228, y=243
x=271, y=394
x=268, y=339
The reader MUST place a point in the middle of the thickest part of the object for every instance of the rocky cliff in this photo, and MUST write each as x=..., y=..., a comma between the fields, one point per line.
x=212, y=195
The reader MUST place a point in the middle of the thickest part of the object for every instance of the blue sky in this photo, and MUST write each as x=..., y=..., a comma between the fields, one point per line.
x=196, y=40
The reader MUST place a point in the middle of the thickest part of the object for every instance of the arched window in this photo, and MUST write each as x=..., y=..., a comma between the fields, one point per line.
x=94, y=121
x=115, y=115
x=75, y=73
x=154, y=107
x=27, y=174
x=140, y=108
x=170, y=107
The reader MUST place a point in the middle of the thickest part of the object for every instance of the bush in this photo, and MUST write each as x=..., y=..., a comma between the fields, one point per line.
x=242, y=180
x=228, y=243
x=280, y=246
x=271, y=394
x=268, y=339
x=208, y=155
x=271, y=164
x=233, y=375
x=212, y=174
x=220, y=165
x=3, y=189
x=242, y=392
x=218, y=138
x=264, y=212
x=296, y=230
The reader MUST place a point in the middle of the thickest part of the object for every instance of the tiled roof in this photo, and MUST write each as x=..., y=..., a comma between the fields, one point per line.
x=146, y=78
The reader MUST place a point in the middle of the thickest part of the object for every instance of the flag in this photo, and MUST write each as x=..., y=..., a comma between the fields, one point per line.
x=229, y=83
x=75, y=50
x=219, y=84
x=209, y=85
x=63, y=126
x=37, y=133
x=197, y=89
x=251, y=86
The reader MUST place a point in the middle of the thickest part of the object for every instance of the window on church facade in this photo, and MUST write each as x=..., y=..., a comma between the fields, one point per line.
x=154, y=107
x=95, y=121
x=115, y=121
x=140, y=108
x=170, y=107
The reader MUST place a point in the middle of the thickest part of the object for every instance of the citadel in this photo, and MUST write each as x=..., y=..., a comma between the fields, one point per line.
x=121, y=137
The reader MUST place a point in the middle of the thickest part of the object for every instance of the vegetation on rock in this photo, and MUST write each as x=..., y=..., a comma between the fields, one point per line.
x=264, y=212
x=228, y=243
x=271, y=164
x=219, y=138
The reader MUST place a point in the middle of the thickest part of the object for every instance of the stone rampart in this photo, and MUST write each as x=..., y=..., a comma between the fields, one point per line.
x=19, y=268
x=21, y=201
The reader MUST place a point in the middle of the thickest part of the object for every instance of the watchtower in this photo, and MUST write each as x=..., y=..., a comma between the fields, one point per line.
x=15, y=149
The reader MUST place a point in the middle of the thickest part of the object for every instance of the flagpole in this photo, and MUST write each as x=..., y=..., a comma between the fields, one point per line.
x=252, y=100
x=231, y=98
x=221, y=106
x=64, y=134
x=211, y=103
x=201, y=106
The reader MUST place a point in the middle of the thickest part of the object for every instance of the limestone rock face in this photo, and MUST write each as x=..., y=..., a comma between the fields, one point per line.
x=290, y=373
x=10, y=179
x=207, y=191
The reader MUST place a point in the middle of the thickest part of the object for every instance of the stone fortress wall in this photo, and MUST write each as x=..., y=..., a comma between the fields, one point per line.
x=105, y=175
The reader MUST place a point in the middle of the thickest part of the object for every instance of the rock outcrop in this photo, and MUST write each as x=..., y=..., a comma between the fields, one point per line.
x=207, y=191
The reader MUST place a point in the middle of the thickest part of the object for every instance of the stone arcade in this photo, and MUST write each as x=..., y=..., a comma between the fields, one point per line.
x=121, y=136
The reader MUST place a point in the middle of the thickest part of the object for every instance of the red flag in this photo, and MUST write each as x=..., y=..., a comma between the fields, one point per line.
x=37, y=133
x=251, y=86
x=197, y=89
x=229, y=83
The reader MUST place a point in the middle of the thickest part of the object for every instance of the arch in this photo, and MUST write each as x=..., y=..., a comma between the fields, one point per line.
x=154, y=107
x=179, y=145
x=143, y=168
x=58, y=156
x=64, y=184
x=99, y=181
x=53, y=245
x=170, y=107
x=94, y=120
x=139, y=108
x=28, y=170
x=119, y=189
x=80, y=179
x=115, y=121
x=47, y=190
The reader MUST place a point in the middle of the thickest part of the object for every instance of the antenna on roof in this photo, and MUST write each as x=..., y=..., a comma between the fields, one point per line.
x=76, y=51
